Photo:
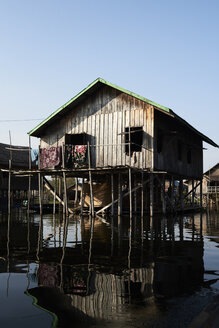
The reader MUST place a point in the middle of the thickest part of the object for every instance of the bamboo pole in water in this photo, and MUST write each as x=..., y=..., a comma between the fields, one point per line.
x=40, y=185
x=90, y=181
x=29, y=178
x=9, y=176
x=64, y=179
x=82, y=196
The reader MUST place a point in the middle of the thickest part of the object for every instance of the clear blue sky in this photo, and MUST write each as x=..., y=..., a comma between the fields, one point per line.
x=164, y=50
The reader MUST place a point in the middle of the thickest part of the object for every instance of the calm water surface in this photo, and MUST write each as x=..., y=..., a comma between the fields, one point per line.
x=77, y=273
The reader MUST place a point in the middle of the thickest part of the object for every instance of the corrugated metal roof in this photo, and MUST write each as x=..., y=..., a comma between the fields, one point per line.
x=94, y=85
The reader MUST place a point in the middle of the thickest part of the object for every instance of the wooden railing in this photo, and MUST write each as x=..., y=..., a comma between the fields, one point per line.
x=213, y=189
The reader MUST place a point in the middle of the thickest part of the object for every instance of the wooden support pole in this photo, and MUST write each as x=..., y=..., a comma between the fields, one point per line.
x=40, y=185
x=115, y=201
x=64, y=179
x=193, y=193
x=181, y=194
x=29, y=178
x=163, y=196
x=76, y=191
x=82, y=196
x=142, y=206
x=119, y=195
x=201, y=193
x=51, y=190
x=135, y=194
x=60, y=191
x=130, y=192
x=151, y=194
x=142, y=195
x=54, y=196
x=90, y=181
x=9, y=176
x=172, y=193
x=112, y=193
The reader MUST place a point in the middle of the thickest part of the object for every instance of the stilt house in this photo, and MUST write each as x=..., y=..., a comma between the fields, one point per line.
x=123, y=131
x=19, y=157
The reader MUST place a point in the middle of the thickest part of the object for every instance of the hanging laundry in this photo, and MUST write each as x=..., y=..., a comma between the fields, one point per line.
x=50, y=157
x=76, y=156
x=34, y=156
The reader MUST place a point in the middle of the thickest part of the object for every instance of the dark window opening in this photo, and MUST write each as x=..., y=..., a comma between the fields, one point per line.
x=179, y=150
x=76, y=139
x=136, y=139
x=159, y=140
x=189, y=156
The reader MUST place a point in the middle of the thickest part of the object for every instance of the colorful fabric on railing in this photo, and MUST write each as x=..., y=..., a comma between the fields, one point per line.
x=50, y=157
x=75, y=156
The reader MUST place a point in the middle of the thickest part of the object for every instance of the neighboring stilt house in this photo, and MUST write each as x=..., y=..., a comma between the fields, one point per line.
x=19, y=185
x=107, y=134
x=210, y=186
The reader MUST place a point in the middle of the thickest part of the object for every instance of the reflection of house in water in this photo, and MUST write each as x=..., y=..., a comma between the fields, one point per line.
x=101, y=289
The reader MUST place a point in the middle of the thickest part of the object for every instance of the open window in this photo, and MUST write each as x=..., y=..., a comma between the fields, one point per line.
x=76, y=139
x=136, y=139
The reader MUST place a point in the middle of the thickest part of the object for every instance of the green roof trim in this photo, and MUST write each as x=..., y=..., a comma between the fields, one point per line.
x=89, y=87
x=100, y=80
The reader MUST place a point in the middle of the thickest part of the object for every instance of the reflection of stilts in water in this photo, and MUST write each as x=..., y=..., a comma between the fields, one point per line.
x=65, y=233
x=112, y=234
x=8, y=252
x=28, y=248
x=92, y=220
x=39, y=236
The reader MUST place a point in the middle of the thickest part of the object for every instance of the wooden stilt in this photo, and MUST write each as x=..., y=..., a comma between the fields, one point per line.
x=172, y=193
x=54, y=196
x=181, y=194
x=119, y=195
x=142, y=194
x=163, y=196
x=76, y=191
x=193, y=193
x=82, y=196
x=60, y=191
x=90, y=181
x=201, y=193
x=64, y=180
x=130, y=192
x=181, y=228
x=9, y=176
x=142, y=205
x=29, y=178
x=50, y=188
x=40, y=185
x=112, y=193
x=135, y=194
x=151, y=194
x=123, y=195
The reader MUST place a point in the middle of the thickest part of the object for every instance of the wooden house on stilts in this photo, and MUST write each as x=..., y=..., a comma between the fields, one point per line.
x=123, y=146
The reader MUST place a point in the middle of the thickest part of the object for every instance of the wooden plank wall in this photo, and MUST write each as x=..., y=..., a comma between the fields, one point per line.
x=168, y=160
x=104, y=117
